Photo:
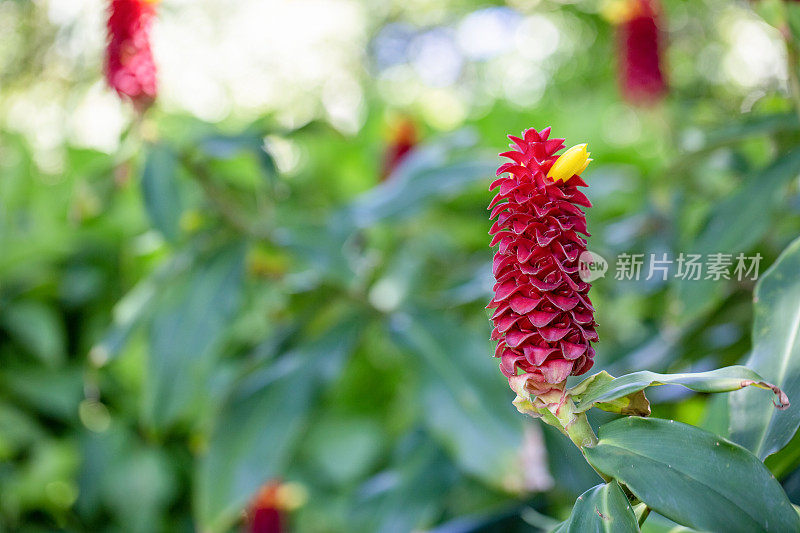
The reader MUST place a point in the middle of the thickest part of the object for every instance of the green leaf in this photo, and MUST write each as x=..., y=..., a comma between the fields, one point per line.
x=119, y=472
x=623, y=394
x=229, y=146
x=131, y=310
x=787, y=460
x=632, y=402
x=343, y=449
x=429, y=173
x=37, y=328
x=752, y=126
x=192, y=316
x=259, y=425
x=776, y=356
x=467, y=400
x=734, y=226
x=693, y=477
x=603, y=508
x=160, y=190
x=54, y=392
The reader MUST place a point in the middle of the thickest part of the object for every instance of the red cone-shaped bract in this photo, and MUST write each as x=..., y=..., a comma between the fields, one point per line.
x=130, y=69
x=544, y=320
x=640, y=63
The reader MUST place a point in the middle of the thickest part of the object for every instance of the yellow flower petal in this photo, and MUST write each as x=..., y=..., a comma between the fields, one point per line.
x=573, y=161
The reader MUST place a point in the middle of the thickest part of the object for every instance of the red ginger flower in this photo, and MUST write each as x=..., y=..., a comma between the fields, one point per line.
x=130, y=69
x=639, y=51
x=544, y=320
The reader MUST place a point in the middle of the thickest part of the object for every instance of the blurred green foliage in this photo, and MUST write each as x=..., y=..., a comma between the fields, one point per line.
x=208, y=306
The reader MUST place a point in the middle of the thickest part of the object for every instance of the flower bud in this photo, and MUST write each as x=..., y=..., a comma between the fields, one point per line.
x=573, y=161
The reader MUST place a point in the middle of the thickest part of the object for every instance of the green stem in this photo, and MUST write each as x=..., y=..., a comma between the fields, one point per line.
x=576, y=426
x=580, y=431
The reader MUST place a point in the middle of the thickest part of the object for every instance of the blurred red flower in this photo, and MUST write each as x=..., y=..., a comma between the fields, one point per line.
x=130, y=69
x=640, y=51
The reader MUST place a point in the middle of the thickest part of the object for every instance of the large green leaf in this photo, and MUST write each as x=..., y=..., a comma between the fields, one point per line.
x=734, y=226
x=776, y=356
x=186, y=330
x=693, y=477
x=160, y=190
x=467, y=402
x=619, y=395
x=601, y=509
x=258, y=426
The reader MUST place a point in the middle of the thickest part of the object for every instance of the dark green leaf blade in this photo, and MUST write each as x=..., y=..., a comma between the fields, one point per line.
x=776, y=356
x=693, y=477
x=601, y=509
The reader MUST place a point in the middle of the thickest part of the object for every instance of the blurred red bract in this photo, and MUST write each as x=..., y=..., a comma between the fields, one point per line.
x=130, y=69
x=640, y=51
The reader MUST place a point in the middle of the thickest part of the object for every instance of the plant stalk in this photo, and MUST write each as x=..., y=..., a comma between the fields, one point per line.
x=576, y=426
